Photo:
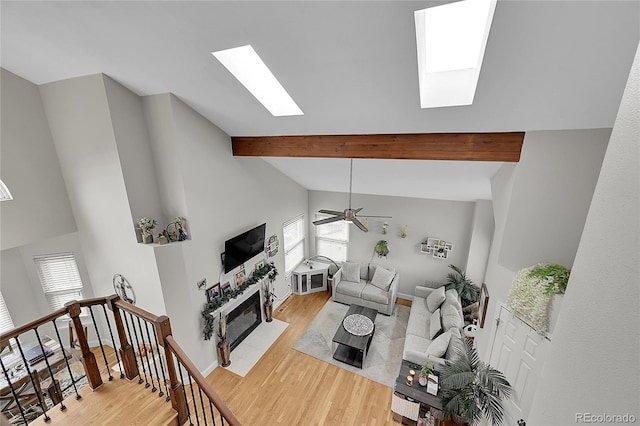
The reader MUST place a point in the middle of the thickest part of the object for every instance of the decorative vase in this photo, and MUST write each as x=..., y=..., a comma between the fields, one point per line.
x=268, y=310
x=422, y=380
x=224, y=352
x=147, y=237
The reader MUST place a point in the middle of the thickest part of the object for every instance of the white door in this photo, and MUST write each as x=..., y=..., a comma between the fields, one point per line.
x=519, y=352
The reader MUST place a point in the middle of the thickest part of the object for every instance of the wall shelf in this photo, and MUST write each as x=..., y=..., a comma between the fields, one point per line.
x=436, y=247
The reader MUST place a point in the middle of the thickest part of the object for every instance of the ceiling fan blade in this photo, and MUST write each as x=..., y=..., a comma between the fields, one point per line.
x=328, y=220
x=331, y=212
x=368, y=215
x=357, y=210
x=359, y=224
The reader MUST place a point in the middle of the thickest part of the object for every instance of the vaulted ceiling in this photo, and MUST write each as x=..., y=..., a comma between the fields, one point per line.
x=349, y=65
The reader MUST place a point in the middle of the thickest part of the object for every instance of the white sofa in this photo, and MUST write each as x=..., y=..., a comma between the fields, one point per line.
x=362, y=292
x=418, y=338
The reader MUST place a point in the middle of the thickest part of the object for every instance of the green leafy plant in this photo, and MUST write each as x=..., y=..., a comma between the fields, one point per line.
x=555, y=276
x=427, y=368
x=381, y=248
x=146, y=225
x=269, y=271
x=472, y=388
x=467, y=290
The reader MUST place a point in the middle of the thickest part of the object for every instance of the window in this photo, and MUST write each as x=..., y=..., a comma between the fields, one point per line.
x=293, y=232
x=60, y=278
x=332, y=239
x=6, y=323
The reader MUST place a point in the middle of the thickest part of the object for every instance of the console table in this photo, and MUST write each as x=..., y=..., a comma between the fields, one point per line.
x=409, y=402
x=306, y=280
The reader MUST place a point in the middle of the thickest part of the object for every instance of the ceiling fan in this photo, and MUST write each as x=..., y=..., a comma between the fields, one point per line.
x=348, y=215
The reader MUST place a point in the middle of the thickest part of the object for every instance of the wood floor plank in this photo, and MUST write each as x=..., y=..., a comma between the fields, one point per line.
x=286, y=387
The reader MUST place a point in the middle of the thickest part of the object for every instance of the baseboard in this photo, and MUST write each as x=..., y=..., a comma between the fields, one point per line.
x=405, y=296
x=279, y=302
x=210, y=368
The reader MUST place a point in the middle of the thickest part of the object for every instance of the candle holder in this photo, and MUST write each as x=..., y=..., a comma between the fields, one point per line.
x=410, y=380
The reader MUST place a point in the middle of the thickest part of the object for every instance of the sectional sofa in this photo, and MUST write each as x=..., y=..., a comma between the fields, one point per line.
x=435, y=322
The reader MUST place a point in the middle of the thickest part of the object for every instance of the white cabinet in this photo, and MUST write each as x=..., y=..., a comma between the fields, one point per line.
x=305, y=280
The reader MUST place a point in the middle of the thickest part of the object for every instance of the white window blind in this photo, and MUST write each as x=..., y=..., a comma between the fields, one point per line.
x=6, y=323
x=332, y=239
x=60, y=278
x=293, y=233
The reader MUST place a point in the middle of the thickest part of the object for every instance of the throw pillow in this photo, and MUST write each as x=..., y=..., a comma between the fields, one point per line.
x=439, y=346
x=451, y=318
x=382, y=278
x=351, y=271
x=455, y=339
x=372, y=270
x=435, y=299
x=435, y=325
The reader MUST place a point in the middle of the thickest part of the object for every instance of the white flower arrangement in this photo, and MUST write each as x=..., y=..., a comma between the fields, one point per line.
x=528, y=299
x=146, y=225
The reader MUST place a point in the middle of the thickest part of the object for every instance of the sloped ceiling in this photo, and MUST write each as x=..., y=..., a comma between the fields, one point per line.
x=350, y=66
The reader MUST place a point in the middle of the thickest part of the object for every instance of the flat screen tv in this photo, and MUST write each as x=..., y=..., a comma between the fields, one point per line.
x=243, y=247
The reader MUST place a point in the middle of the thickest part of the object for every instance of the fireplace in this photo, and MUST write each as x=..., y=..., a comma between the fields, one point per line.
x=242, y=320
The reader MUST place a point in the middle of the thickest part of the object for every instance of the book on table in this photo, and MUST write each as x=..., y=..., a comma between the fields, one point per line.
x=432, y=384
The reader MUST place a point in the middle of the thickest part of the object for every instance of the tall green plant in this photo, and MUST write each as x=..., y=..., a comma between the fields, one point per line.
x=467, y=290
x=472, y=388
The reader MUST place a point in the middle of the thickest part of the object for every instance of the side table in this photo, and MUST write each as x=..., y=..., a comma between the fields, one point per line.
x=410, y=402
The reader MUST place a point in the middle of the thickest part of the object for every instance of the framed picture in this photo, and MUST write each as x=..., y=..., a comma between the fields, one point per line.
x=226, y=287
x=483, y=304
x=259, y=265
x=202, y=284
x=240, y=277
x=214, y=292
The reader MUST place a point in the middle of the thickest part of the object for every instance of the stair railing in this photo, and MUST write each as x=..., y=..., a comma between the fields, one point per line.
x=168, y=372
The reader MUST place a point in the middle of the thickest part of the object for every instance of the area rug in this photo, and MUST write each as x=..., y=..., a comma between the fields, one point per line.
x=385, y=354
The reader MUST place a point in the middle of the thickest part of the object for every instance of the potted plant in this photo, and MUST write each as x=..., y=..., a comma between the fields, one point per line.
x=471, y=388
x=427, y=368
x=467, y=290
x=224, y=350
x=381, y=248
x=146, y=225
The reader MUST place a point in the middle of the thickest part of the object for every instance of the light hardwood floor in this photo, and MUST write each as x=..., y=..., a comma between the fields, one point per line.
x=286, y=387
x=291, y=388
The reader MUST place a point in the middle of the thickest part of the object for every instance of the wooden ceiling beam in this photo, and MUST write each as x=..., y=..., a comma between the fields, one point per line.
x=420, y=146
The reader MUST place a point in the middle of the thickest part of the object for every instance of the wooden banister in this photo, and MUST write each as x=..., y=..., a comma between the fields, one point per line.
x=178, y=402
x=33, y=324
x=201, y=381
x=133, y=309
x=88, y=358
x=126, y=350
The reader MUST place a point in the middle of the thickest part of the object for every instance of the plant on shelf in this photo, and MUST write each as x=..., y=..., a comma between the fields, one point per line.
x=426, y=369
x=471, y=388
x=532, y=291
x=381, y=248
x=269, y=271
x=146, y=225
x=467, y=290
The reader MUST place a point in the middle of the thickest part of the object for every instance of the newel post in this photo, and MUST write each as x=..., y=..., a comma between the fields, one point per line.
x=127, y=355
x=163, y=329
x=88, y=358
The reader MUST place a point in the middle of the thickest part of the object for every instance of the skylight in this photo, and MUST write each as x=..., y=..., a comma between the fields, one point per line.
x=451, y=40
x=245, y=65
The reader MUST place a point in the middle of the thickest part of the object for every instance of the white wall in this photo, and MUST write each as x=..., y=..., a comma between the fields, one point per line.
x=554, y=184
x=497, y=278
x=221, y=196
x=29, y=167
x=481, y=237
x=593, y=365
x=451, y=221
x=79, y=116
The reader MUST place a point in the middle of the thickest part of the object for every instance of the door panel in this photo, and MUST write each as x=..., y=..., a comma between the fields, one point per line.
x=519, y=352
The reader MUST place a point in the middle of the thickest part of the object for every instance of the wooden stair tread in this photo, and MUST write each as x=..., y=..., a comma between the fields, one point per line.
x=116, y=402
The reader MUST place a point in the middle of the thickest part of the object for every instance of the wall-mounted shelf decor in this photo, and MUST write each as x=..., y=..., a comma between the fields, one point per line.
x=436, y=248
x=271, y=248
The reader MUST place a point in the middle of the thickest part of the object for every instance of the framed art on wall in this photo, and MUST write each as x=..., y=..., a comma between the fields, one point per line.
x=213, y=292
x=483, y=304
